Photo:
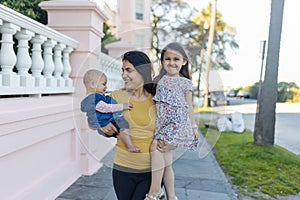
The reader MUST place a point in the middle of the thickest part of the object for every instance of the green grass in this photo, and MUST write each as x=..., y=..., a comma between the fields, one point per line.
x=203, y=109
x=255, y=169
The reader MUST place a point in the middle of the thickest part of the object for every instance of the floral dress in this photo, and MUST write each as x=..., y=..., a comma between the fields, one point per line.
x=173, y=124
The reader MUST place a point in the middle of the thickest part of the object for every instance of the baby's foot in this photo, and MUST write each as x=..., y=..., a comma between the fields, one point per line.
x=134, y=149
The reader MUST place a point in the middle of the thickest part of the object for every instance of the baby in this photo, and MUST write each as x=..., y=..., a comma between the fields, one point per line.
x=101, y=109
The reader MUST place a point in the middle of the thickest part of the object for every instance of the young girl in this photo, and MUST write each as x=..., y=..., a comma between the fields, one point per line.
x=175, y=122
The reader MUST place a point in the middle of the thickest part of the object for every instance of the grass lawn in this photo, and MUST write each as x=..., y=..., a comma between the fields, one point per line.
x=257, y=171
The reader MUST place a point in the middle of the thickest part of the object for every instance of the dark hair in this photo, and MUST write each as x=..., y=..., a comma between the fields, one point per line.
x=143, y=65
x=184, y=71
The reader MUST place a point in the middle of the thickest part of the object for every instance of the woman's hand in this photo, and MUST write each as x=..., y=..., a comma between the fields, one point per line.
x=109, y=129
x=163, y=146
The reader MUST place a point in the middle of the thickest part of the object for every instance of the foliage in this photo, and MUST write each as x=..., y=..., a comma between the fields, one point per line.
x=108, y=37
x=257, y=170
x=29, y=8
x=294, y=95
x=197, y=30
x=254, y=90
x=175, y=20
x=166, y=16
x=288, y=92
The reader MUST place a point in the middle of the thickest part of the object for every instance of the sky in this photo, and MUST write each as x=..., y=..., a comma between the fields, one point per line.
x=251, y=19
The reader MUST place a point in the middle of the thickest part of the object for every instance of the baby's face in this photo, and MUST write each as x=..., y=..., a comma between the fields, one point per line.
x=101, y=85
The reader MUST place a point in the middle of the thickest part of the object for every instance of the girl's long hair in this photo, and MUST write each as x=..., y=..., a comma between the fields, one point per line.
x=184, y=71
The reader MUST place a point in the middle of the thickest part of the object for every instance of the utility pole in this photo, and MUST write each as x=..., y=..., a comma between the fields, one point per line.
x=209, y=49
x=262, y=53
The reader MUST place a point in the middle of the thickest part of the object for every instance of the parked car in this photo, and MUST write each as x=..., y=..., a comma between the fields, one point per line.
x=217, y=98
x=232, y=93
x=243, y=94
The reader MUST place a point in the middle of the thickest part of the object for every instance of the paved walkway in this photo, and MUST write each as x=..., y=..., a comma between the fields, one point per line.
x=197, y=176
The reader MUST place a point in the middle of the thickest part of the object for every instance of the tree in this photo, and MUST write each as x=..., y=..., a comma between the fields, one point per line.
x=167, y=16
x=264, y=129
x=197, y=31
x=108, y=37
x=30, y=8
x=287, y=92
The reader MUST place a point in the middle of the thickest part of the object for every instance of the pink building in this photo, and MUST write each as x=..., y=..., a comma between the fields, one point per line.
x=45, y=143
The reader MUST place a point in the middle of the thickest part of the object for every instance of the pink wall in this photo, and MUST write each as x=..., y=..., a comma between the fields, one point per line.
x=39, y=148
x=45, y=143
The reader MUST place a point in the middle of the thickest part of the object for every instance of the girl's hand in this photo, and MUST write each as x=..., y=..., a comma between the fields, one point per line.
x=163, y=146
x=109, y=129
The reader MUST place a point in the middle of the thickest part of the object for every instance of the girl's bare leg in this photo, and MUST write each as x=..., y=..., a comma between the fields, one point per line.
x=168, y=177
x=157, y=164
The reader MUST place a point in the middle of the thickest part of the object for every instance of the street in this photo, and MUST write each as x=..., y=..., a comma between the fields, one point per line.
x=287, y=127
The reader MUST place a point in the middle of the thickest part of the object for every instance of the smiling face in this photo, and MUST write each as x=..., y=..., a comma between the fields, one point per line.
x=172, y=62
x=132, y=78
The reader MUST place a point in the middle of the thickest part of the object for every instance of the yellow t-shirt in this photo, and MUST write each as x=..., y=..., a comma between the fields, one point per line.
x=141, y=121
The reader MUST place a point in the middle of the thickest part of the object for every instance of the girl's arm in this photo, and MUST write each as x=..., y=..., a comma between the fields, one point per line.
x=189, y=100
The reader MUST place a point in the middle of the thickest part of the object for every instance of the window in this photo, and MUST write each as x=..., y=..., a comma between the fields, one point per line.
x=139, y=7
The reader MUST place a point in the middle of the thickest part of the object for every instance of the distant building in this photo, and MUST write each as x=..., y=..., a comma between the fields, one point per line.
x=131, y=19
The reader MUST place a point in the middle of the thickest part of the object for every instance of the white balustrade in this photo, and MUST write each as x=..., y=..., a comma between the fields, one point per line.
x=48, y=62
x=39, y=62
x=113, y=69
x=8, y=57
x=40, y=68
x=67, y=67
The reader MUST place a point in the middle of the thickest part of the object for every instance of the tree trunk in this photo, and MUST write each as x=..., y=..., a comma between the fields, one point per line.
x=200, y=71
x=264, y=130
x=209, y=49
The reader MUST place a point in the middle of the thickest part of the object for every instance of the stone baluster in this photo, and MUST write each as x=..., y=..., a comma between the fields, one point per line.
x=23, y=58
x=37, y=59
x=58, y=63
x=67, y=67
x=8, y=57
x=48, y=62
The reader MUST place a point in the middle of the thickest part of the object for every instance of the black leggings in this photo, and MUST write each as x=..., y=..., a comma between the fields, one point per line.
x=131, y=186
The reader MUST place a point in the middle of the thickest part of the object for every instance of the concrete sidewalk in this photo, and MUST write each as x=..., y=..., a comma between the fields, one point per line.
x=197, y=176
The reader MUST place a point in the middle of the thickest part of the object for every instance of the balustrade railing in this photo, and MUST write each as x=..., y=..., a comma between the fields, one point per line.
x=112, y=68
x=34, y=58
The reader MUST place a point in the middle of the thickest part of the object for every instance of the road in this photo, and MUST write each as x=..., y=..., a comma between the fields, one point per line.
x=287, y=124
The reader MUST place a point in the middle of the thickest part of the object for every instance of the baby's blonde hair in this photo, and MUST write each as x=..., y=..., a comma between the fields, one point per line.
x=91, y=75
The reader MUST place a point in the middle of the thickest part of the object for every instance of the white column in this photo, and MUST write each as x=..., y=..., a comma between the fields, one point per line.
x=7, y=55
x=67, y=66
x=23, y=58
x=58, y=63
x=37, y=59
x=48, y=62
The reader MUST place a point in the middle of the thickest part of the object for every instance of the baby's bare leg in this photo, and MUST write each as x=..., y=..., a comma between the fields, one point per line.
x=126, y=138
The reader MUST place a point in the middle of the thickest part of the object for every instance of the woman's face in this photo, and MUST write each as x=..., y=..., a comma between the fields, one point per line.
x=132, y=78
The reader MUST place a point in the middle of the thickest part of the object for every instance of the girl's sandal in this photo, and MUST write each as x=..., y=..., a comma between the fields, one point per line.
x=160, y=196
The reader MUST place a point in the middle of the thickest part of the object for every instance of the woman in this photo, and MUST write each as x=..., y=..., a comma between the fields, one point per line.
x=131, y=171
